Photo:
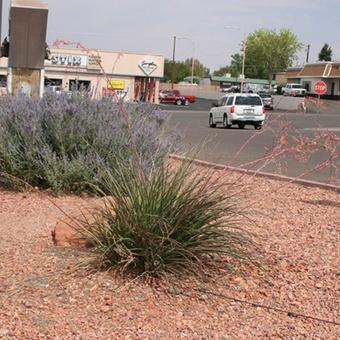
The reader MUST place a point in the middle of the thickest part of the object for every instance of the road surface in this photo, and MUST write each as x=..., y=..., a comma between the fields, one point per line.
x=242, y=147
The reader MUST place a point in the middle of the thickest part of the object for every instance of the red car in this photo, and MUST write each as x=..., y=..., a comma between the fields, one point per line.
x=175, y=97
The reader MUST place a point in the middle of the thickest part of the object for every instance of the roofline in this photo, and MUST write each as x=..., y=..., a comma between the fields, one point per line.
x=238, y=80
x=321, y=77
x=29, y=4
x=104, y=51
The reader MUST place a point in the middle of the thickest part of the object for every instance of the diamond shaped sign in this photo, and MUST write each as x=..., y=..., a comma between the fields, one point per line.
x=148, y=65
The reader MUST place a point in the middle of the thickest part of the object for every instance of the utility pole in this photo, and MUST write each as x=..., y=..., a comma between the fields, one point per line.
x=307, y=57
x=0, y=19
x=243, y=61
x=173, y=73
x=193, y=63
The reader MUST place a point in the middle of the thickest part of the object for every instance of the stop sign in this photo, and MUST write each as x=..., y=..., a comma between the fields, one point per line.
x=320, y=87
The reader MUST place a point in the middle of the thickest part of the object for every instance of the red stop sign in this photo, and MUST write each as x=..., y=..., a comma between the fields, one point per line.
x=320, y=87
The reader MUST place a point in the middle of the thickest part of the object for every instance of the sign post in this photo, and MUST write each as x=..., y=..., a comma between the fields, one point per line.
x=320, y=88
x=27, y=34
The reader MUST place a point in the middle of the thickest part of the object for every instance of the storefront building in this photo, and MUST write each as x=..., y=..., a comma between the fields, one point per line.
x=307, y=76
x=128, y=75
x=253, y=85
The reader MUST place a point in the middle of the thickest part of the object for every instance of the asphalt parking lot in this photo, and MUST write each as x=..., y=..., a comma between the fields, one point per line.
x=242, y=147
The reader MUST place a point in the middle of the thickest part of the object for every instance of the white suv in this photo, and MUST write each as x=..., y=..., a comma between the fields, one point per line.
x=238, y=109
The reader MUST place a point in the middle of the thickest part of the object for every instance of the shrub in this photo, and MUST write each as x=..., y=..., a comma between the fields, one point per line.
x=165, y=221
x=65, y=143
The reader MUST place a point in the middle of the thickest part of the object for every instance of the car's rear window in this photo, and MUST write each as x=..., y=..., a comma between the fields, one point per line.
x=297, y=87
x=248, y=100
x=265, y=95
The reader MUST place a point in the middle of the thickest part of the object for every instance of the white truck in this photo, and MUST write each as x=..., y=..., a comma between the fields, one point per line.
x=293, y=90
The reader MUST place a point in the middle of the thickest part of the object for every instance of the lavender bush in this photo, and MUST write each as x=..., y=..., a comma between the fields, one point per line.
x=66, y=143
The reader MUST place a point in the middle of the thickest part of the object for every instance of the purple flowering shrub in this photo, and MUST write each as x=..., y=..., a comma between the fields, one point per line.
x=65, y=143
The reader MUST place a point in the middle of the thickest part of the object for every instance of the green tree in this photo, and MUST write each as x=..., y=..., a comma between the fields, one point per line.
x=236, y=65
x=325, y=53
x=222, y=71
x=270, y=51
x=183, y=70
x=199, y=69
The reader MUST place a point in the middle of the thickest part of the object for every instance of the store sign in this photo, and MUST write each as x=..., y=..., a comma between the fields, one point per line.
x=69, y=60
x=94, y=62
x=118, y=94
x=148, y=65
x=116, y=84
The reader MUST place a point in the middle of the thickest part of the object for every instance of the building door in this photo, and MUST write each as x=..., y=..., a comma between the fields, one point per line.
x=145, y=89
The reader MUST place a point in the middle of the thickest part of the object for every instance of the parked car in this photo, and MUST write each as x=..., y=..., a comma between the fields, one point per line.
x=293, y=90
x=231, y=89
x=238, y=109
x=268, y=100
x=175, y=97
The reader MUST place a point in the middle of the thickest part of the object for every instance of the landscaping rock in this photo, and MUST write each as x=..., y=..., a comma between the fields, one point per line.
x=70, y=230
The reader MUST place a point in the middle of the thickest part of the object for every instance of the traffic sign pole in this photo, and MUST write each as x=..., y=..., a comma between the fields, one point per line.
x=320, y=87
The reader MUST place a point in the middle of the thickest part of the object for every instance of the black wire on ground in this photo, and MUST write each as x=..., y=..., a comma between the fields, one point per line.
x=280, y=310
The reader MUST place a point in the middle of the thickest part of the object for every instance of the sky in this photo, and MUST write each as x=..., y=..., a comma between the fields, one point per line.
x=210, y=30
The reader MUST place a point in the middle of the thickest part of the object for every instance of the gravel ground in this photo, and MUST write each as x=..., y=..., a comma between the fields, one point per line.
x=43, y=296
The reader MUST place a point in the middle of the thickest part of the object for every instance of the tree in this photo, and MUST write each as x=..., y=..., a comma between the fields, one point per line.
x=222, y=71
x=270, y=51
x=325, y=53
x=199, y=69
x=183, y=69
x=236, y=64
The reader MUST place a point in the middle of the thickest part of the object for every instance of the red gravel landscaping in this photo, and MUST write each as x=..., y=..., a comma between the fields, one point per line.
x=293, y=294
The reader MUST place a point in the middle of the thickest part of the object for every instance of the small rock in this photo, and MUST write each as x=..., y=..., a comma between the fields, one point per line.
x=221, y=309
x=105, y=309
x=27, y=304
x=318, y=285
x=203, y=297
x=3, y=332
x=107, y=300
x=175, y=291
x=95, y=287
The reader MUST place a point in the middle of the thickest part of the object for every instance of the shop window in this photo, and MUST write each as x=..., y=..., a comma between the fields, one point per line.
x=3, y=81
x=145, y=89
x=79, y=85
x=53, y=82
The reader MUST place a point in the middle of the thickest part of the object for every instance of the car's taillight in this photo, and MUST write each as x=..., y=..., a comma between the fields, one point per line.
x=232, y=109
x=263, y=109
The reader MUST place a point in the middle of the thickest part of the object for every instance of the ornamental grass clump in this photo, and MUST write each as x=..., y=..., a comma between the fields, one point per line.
x=166, y=221
x=63, y=143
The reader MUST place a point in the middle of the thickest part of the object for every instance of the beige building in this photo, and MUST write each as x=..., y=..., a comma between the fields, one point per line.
x=129, y=75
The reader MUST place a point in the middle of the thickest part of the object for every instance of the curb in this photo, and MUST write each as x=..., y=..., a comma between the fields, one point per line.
x=282, y=178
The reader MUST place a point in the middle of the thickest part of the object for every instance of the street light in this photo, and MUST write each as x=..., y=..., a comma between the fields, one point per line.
x=174, y=56
x=193, y=57
x=244, y=43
